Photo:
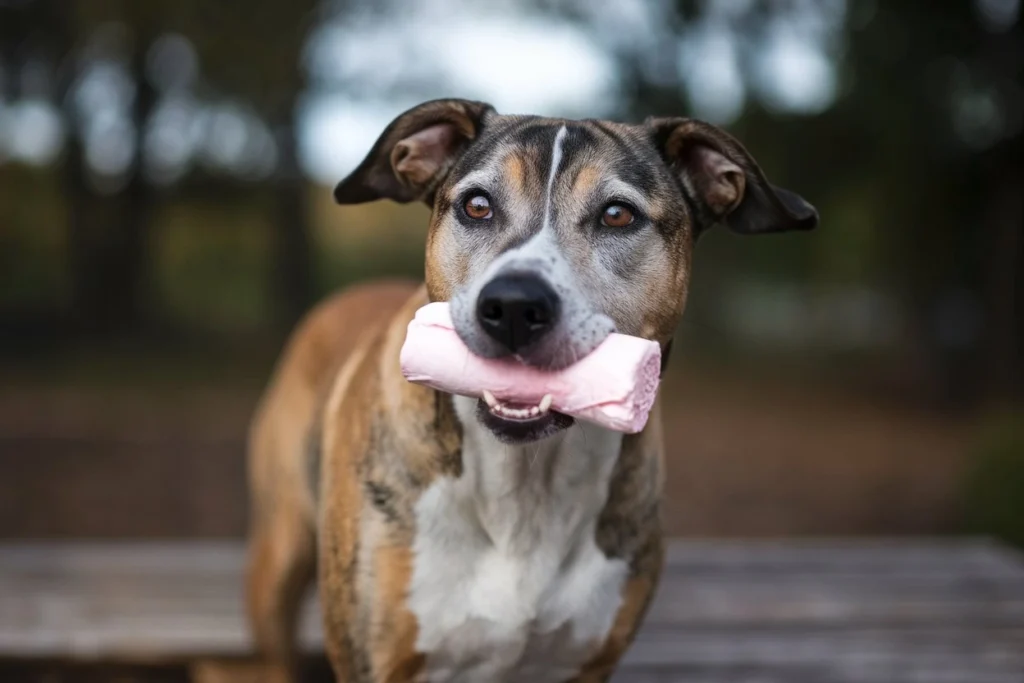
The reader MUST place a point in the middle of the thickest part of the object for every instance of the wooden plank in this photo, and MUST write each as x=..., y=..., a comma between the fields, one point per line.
x=164, y=485
x=825, y=601
x=823, y=611
x=903, y=556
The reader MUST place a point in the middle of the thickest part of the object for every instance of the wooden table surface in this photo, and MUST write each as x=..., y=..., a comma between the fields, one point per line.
x=890, y=611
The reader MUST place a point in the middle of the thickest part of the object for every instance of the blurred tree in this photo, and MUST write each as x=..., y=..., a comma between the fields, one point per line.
x=914, y=159
x=110, y=236
x=929, y=127
x=921, y=152
x=253, y=51
x=250, y=55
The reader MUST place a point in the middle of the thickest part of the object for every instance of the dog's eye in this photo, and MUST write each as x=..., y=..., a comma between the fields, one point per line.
x=478, y=207
x=617, y=216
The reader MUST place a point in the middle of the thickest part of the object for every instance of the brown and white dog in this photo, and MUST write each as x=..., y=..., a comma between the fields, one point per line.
x=454, y=544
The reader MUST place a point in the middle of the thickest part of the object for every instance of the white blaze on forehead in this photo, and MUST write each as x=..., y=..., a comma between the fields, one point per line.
x=556, y=160
x=535, y=253
x=542, y=245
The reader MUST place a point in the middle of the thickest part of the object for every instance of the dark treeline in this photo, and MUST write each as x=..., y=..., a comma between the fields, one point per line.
x=916, y=165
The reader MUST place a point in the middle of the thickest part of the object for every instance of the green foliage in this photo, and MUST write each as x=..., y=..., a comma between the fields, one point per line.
x=212, y=266
x=248, y=49
x=338, y=270
x=849, y=251
x=994, y=486
x=32, y=243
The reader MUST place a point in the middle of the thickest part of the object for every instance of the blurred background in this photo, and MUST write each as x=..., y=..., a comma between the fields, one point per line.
x=165, y=218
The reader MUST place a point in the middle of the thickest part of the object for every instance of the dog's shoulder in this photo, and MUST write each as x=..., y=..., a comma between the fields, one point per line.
x=361, y=330
x=369, y=406
x=382, y=441
x=324, y=341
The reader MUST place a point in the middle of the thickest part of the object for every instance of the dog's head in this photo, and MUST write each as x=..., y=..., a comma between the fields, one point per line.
x=547, y=234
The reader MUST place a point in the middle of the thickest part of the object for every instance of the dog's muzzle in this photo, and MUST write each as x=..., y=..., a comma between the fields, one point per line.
x=517, y=310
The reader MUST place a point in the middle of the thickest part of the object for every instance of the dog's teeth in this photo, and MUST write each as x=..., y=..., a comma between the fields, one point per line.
x=524, y=413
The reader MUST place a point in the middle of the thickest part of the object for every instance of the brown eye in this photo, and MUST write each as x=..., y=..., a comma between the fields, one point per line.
x=617, y=216
x=478, y=207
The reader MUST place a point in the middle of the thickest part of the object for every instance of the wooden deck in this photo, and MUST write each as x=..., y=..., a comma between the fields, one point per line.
x=898, y=611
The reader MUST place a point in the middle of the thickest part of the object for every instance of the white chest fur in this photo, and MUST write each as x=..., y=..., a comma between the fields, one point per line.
x=508, y=583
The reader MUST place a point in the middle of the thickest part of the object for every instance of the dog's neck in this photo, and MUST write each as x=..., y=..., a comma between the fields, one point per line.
x=506, y=554
x=548, y=493
x=519, y=494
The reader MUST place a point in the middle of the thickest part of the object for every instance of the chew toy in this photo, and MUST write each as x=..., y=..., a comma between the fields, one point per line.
x=613, y=386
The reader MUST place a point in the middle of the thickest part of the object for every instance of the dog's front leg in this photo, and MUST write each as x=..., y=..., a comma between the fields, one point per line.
x=636, y=596
x=371, y=643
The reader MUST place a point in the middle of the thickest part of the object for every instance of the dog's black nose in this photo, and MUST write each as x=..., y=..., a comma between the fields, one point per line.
x=517, y=310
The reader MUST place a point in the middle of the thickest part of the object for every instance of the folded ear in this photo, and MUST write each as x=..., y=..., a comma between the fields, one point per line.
x=724, y=182
x=414, y=153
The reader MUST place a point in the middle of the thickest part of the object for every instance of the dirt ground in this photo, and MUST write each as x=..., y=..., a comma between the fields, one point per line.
x=744, y=459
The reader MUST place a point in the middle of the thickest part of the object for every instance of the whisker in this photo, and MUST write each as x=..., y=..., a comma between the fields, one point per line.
x=583, y=431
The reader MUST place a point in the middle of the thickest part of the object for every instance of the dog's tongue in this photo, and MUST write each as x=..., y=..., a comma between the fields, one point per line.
x=614, y=386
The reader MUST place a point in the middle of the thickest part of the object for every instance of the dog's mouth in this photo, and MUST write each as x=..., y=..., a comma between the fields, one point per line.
x=520, y=422
x=517, y=411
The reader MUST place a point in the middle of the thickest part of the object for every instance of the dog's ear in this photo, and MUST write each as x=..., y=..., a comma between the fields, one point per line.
x=414, y=153
x=724, y=182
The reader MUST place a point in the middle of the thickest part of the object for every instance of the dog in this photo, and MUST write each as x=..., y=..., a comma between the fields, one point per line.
x=451, y=543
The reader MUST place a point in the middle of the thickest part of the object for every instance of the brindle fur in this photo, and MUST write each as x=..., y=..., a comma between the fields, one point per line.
x=342, y=447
